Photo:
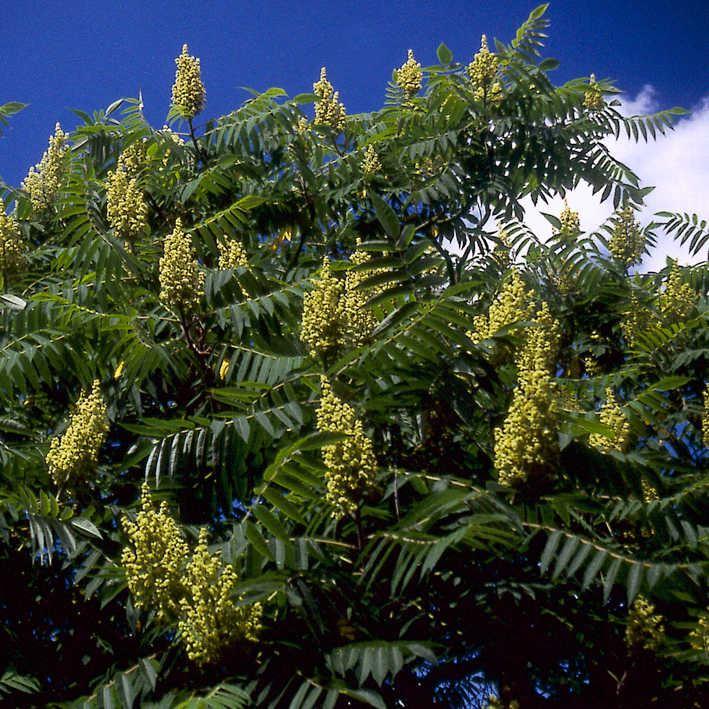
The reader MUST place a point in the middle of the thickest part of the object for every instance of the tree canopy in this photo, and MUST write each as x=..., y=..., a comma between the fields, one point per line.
x=296, y=411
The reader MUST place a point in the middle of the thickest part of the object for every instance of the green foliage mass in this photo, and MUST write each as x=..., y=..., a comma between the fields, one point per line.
x=409, y=572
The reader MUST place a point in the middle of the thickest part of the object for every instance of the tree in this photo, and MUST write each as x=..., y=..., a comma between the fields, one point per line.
x=298, y=412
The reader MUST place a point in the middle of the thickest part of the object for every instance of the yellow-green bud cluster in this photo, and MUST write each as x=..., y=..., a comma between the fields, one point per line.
x=612, y=416
x=627, y=241
x=302, y=126
x=132, y=159
x=635, y=321
x=195, y=590
x=542, y=346
x=12, y=245
x=427, y=167
x=592, y=366
x=513, y=303
x=209, y=619
x=644, y=629
x=329, y=112
x=678, y=299
x=699, y=637
x=593, y=96
x=188, y=92
x=154, y=558
x=526, y=444
x=350, y=464
x=409, y=76
x=570, y=222
x=181, y=281
x=649, y=491
x=174, y=137
x=335, y=312
x=320, y=328
x=44, y=180
x=125, y=206
x=232, y=255
x=356, y=319
x=73, y=456
x=484, y=75
x=371, y=165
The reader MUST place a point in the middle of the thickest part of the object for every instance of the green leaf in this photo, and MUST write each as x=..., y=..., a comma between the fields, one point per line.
x=609, y=581
x=270, y=521
x=86, y=526
x=386, y=216
x=634, y=581
x=445, y=56
x=593, y=568
x=550, y=549
x=549, y=64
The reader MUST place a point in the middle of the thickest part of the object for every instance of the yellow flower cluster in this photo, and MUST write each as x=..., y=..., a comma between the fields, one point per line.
x=133, y=157
x=181, y=281
x=329, y=111
x=699, y=637
x=12, y=245
x=678, y=299
x=356, y=320
x=514, y=302
x=209, y=619
x=188, y=92
x=649, y=491
x=174, y=137
x=371, y=165
x=44, y=180
x=73, y=456
x=350, y=464
x=302, y=126
x=409, y=76
x=335, y=312
x=427, y=167
x=612, y=416
x=194, y=589
x=232, y=255
x=644, y=628
x=526, y=444
x=627, y=241
x=592, y=366
x=570, y=222
x=635, y=321
x=125, y=205
x=154, y=558
x=593, y=96
x=484, y=75
x=320, y=328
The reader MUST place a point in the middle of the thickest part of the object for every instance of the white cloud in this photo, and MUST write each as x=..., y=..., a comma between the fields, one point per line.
x=676, y=164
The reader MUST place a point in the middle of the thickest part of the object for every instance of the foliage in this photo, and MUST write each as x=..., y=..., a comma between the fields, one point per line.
x=342, y=493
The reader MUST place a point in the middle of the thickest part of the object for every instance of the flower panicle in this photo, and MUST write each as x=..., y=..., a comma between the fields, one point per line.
x=181, y=280
x=350, y=464
x=409, y=76
x=188, y=92
x=73, y=456
x=45, y=180
x=329, y=110
x=484, y=74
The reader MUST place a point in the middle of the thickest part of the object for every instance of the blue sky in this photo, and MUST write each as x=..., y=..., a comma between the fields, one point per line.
x=79, y=54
